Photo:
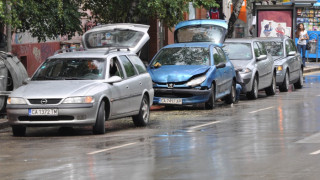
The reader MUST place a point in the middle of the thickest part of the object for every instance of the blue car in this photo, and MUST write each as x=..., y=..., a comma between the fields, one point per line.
x=194, y=69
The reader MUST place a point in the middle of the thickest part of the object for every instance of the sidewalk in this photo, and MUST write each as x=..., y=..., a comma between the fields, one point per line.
x=310, y=67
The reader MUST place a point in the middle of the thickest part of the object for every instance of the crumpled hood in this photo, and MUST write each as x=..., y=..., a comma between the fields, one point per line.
x=54, y=89
x=176, y=73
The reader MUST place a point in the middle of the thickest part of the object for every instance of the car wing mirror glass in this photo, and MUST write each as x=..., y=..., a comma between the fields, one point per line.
x=113, y=79
x=261, y=57
x=220, y=65
x=292, y=53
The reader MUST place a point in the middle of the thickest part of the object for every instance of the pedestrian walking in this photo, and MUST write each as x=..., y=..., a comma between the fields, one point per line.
x=302, y=36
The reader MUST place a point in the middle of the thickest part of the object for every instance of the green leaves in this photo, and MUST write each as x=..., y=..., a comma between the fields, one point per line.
x=170, y=12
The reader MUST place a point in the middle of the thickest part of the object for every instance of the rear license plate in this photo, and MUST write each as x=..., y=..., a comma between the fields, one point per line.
x=43, y=112
x=170, y=101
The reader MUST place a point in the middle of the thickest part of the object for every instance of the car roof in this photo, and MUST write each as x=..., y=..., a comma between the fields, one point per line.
x=90, y=54
x=241, y=40
x=192, y=44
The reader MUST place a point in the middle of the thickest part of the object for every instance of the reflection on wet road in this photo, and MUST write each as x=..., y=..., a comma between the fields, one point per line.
x=275, y=137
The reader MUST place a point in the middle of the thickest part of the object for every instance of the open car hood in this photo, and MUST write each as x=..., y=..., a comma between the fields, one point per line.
x=204, y=30
x=122, y=36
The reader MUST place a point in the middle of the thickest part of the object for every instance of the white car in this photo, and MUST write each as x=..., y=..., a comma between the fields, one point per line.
x=105, y=80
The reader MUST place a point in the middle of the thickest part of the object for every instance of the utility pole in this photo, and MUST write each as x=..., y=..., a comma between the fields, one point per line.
x=234, y=16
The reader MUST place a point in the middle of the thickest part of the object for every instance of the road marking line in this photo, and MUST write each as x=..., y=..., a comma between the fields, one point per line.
x=191, y=129
x=261, y=110
x=112, y=148
x=316, y=152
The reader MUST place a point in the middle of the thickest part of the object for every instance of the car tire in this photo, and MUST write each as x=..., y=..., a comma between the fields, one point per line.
x=284, y=87
x=253, y=94
x=18, y=130
x=99, y=127
x=299, y=84
x=212, y=99
x=231, y=98
x=271, y=90
x=142, y=119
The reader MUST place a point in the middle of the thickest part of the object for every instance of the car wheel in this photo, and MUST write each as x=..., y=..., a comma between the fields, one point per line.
x=99, y=127
x=253, y=94
x=142, y=118
x=18, y=130
x=271, y=90
x=299, y=84
x=231, y=98
x=212, y=99
x=285, y=85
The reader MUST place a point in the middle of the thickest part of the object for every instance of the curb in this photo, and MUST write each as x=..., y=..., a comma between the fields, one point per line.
x=311, y=69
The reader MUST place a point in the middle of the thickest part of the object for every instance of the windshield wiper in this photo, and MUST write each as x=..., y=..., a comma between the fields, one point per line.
x=74, y=78
x=46, y=78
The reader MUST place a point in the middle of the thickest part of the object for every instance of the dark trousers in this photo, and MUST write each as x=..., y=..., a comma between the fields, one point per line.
x=302, y=50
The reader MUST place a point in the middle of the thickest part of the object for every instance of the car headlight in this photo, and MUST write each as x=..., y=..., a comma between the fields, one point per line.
x=279, y=68
x=246, y=70
x=16, y=100
x=196, y=81
x=78, y=100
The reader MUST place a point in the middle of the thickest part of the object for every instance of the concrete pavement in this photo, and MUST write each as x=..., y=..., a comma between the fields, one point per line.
x=310, y=67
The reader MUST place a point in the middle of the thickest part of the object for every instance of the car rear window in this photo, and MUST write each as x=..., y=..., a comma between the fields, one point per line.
x=238, y=51
x=113, y=38
x=200, y=33
x=182, y=56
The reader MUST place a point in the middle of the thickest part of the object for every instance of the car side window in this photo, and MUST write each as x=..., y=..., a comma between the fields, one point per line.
x=138, y=64
x=256, y=49
x=128, y=66
x=222, y=55
x=259, y=49
x=288, y=47
x=292, y=45
x=115, y=68
x=216, y=57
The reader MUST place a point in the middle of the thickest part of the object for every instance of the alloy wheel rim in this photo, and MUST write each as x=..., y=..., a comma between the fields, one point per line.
x=145, y=111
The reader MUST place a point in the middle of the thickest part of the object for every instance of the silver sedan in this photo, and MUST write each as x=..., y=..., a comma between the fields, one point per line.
x=287, y=60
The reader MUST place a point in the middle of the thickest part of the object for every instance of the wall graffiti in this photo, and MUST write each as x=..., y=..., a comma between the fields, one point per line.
x=37, y=54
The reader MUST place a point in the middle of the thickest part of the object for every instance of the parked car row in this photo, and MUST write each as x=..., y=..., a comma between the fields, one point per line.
x=107, y=80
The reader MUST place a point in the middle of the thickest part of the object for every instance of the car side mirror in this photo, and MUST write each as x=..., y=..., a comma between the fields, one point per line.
x=26, y=81
x=221, y=65
x=113, y=79
x=261, y=57
x=292, y=53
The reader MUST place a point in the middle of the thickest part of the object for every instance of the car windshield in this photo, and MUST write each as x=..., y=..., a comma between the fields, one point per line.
x=113, y=38
x=275, y=48
x=238, y=51
x=200, y=33
x=71, y=69
x=182, y=56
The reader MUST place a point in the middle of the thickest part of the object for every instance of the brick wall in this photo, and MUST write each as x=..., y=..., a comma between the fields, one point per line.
x=33, y=54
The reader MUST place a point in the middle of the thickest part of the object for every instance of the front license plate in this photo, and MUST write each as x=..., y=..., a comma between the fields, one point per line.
x=170, y=101
x=43, y=112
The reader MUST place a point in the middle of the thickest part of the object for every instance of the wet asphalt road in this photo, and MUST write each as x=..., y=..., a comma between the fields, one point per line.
x=275, y=137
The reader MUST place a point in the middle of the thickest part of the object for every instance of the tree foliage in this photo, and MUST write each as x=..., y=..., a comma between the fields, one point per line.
x=51, y=18
x=139, y=11
x=43, y=18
